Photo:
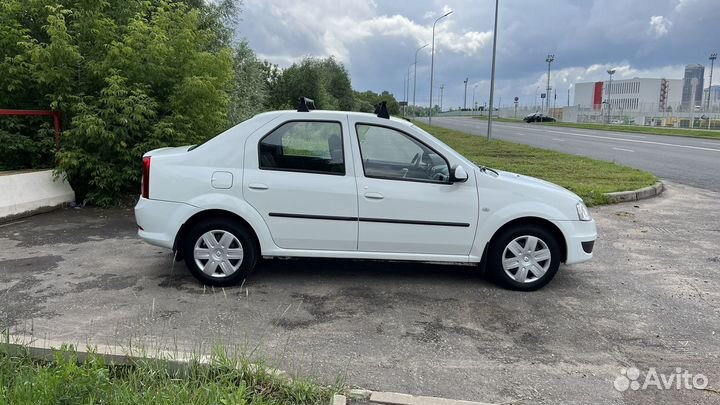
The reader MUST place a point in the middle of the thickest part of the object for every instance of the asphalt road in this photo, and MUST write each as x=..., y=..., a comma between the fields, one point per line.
x=650, y=299
x=690, y=161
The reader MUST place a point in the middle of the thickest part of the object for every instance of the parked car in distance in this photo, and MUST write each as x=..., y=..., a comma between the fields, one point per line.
x=537, y=117
x=337, y=184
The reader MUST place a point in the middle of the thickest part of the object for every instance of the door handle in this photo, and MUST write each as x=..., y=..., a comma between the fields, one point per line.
x=374, y=196
x=258, y=186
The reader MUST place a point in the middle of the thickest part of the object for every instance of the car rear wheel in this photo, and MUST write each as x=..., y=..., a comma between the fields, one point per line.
x=524, y=257
x=219, y=252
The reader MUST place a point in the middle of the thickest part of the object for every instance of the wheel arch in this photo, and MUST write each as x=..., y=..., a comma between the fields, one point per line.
x=214, y=214
x=531, y=220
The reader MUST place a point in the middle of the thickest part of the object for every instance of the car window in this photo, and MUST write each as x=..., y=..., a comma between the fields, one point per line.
x=390, y=154
x=303, y=146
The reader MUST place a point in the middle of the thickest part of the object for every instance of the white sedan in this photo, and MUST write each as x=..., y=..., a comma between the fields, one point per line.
x=336, y=184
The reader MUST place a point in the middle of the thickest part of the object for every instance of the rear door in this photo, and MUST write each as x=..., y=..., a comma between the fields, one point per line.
x=298, y=177
x=406, y=203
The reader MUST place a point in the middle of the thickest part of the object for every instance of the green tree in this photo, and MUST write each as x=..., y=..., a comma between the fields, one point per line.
x=324, y=80
x=367, y=100
x=251, y=85
x=130, y=76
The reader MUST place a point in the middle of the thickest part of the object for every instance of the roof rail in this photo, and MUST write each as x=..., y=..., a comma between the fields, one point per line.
x=306, y=104
x=382, y=111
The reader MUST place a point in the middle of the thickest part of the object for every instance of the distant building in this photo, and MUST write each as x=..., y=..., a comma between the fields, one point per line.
x=714, y=92
x=688, y=91
x=630, y=95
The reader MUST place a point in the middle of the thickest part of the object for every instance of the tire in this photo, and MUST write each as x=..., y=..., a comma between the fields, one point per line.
x=513, y=264
x=226, y=252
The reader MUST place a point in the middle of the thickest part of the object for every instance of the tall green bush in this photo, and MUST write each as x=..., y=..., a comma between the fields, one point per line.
x=135, y=75
x=130, y=76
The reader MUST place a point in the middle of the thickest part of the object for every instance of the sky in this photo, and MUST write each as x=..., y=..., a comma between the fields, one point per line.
x=376, y=40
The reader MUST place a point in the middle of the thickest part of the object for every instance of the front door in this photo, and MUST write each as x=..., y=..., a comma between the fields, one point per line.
x=406, y=202
x=296, y=176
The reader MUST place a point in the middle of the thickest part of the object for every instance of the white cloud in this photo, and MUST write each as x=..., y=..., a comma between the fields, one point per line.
x=343, y=23
x=659, y=26
x=683, y=4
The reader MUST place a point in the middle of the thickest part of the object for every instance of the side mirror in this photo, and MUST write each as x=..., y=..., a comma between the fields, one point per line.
x=458, y=174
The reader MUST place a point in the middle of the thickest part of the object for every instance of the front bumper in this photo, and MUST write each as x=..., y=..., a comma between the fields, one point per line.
x=580, y=239
x=159, y=221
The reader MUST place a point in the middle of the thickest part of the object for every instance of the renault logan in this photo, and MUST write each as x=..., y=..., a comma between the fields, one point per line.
x=334, y=184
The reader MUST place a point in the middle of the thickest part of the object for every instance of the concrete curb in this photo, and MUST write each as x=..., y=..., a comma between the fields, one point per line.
x=394, y=398
x=636, y=195
x=179, y=363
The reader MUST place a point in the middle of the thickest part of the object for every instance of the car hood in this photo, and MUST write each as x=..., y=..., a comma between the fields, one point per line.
x=532, y=182
x=532, y=186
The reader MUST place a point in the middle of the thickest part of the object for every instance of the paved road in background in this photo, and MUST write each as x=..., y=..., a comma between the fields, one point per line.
x=690, y=161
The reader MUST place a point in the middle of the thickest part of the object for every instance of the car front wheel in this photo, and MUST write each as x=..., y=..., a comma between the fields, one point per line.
x=219, y=252
x=524, y=258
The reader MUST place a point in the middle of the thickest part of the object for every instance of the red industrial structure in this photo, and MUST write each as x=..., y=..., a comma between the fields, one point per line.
x=56, y=115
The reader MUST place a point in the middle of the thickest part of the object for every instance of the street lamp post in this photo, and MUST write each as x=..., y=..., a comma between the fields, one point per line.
x=407, y=92
x=465, y=98
x=415, y=73
x=549, y=60
x=712, y=58
x=473, y=103
x=432, y=64
x=492, y=74
x=611, y=72
x=442, y=87
x=693, y=83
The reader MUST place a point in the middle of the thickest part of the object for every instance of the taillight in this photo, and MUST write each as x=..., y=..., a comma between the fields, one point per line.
x=145, y=188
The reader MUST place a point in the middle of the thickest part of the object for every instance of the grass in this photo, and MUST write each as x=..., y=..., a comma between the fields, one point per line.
x=692, y=133
x=66, y=380
x=588, y=178
x=498, y=119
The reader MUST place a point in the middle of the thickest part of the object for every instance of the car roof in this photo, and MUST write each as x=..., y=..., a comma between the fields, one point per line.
x=293, y=114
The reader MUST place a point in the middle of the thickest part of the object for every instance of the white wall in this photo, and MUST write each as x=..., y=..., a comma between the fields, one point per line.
x=23, y=193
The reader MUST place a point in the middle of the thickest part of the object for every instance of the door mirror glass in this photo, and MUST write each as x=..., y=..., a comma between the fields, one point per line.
x=459, y=175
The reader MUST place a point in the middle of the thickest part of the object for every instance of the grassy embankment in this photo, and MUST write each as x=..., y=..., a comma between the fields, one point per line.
x=24, y=381
x=589, y=178
x=692, y=133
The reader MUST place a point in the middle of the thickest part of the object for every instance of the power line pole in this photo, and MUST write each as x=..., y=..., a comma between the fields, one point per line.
x=550, y=58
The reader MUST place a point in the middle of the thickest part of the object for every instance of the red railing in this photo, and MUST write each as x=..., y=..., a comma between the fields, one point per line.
x=57, y=115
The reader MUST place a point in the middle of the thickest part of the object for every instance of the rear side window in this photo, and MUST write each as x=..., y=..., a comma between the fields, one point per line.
x=304, y=146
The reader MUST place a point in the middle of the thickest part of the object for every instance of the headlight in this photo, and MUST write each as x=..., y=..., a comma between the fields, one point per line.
x=582, y=211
